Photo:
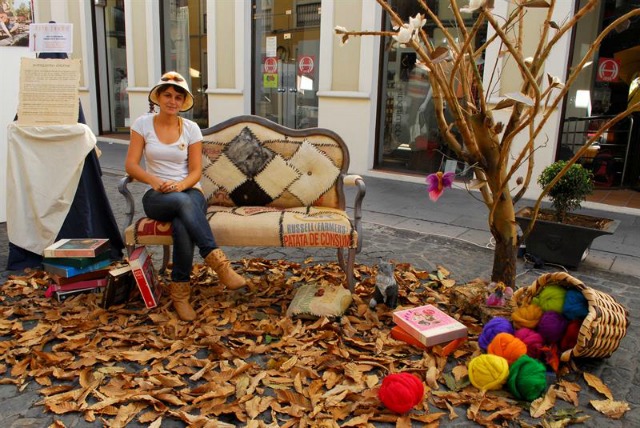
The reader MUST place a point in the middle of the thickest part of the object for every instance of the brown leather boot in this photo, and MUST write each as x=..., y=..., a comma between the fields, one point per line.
x=180, y=293
x=228, y=277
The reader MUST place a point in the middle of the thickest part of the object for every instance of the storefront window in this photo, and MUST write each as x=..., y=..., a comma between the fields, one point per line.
x=185, y=50
x=601, y=91
x=116, y=55
x=409, y=138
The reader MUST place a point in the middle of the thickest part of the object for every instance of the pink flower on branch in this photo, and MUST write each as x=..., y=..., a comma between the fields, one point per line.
x=437, y=182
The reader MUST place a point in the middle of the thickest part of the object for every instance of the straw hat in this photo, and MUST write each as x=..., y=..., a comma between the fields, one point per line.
x=176, y=79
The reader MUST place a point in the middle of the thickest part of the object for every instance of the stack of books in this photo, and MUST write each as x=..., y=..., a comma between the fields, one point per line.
x=426, y=326
x=77, y=266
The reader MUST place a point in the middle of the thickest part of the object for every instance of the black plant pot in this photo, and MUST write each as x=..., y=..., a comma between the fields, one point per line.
x=560, y=243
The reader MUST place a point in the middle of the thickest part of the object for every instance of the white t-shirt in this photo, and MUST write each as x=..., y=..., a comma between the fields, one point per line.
x=167, y=161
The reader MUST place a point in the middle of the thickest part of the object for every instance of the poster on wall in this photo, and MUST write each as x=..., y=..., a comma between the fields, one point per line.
x=48, y=92
x=51, y=38
x=15, y=18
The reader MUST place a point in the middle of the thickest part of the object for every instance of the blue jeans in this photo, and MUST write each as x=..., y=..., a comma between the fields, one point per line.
x=186, y=212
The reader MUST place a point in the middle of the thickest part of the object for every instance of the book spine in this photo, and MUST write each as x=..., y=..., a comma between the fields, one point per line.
x=67, y=271
x=91, y=283
x=144, y=287
x=70, y=253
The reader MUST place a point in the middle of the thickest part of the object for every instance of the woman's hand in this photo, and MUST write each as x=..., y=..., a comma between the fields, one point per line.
x=170, y=186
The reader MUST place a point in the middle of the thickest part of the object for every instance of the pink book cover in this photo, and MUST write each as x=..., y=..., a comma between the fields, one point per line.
x=429, y=325
x=145, y=276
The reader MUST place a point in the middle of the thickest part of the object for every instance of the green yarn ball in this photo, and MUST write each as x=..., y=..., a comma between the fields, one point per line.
x=551, y=298
x=527, y=378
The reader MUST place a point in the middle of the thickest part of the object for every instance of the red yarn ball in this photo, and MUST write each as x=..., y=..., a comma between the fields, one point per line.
x=400, y=392
x=570, y=338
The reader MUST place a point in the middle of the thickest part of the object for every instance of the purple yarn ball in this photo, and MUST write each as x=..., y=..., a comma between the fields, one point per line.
x=552, y=326
x=532, y=339
x=491, y=329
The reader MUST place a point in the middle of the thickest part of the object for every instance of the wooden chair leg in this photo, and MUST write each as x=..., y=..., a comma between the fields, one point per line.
x=347, y=266
x=166, y=253
x=351, y=259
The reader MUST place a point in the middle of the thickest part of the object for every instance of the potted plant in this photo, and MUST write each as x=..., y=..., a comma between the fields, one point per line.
x=558, y=235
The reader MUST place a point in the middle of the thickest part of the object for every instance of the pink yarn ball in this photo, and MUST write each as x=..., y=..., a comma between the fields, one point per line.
x=532, y=339
x=552, y=326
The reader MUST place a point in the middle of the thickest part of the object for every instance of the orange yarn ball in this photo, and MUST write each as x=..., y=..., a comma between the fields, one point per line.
x=507, y=346
x=527, y=316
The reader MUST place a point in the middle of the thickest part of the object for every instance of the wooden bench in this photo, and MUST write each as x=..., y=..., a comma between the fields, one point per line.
x=269, y=186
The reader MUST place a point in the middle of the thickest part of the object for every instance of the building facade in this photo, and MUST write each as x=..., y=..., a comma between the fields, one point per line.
x=282, y=60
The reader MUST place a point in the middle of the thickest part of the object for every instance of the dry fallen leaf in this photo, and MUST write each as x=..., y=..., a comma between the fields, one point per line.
x=540, y=406
x=595, y=382
x=613, y=409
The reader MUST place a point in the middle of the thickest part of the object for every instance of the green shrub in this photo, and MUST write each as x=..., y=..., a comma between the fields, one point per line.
x=570, y=191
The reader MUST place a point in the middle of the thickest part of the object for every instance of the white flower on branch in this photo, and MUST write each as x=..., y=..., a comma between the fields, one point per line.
x=473, y=6
x=405, y=33
x=417, y=21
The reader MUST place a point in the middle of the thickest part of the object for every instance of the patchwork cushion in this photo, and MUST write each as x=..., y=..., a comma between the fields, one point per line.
x=318, y=173
x=276, y=177
x=147, y=231
x=251, y=165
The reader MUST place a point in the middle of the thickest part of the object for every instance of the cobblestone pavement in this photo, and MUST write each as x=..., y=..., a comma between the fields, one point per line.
x=463, y=258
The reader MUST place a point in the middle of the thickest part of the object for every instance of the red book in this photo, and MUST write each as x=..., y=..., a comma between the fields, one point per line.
x=94, y=274
x=77, y=247
x=145, y=276
x=90, y=283
x=429, y=325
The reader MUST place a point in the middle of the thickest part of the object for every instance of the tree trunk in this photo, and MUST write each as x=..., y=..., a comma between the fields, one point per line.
x=504, y=232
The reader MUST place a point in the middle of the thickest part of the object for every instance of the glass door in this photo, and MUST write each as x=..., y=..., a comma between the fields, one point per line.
x=111, y=54
x=286, y=46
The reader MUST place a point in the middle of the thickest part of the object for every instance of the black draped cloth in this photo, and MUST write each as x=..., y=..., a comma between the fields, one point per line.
x=90, y=215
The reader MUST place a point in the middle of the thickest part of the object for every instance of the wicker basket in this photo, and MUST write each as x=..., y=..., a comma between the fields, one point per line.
x=602, y=329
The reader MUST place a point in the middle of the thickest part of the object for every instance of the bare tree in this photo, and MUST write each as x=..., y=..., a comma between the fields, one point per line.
x=478, y=140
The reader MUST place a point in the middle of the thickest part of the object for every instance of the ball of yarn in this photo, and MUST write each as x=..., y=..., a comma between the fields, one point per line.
x=527, y=316
x=551, y=298
x=552, y=326
x=532, y=339
x=400, y=392
x=488, y=371
x=491, y=329
x=507, y=346
x=570, y=337
x=575, y=305
x=527, y=378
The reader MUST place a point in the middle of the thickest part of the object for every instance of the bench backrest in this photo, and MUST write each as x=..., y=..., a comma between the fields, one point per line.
x=251, y=161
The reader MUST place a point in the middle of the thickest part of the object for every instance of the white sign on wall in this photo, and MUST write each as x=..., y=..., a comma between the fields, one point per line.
x=51, y=38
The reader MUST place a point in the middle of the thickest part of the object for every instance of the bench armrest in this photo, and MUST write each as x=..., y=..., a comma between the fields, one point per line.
x=131, y=205
x=357, y=181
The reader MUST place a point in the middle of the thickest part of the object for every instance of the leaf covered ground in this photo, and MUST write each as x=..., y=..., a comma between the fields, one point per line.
x=244, y=362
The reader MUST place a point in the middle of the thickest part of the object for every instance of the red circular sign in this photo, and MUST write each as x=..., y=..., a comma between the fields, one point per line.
x=608, y=70
x=270, y=65
x=305, y=65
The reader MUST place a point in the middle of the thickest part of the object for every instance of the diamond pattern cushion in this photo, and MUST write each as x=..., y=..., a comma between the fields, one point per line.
x=246, y=153
x=276, y=177
x=224, y=173
x=319, y=173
